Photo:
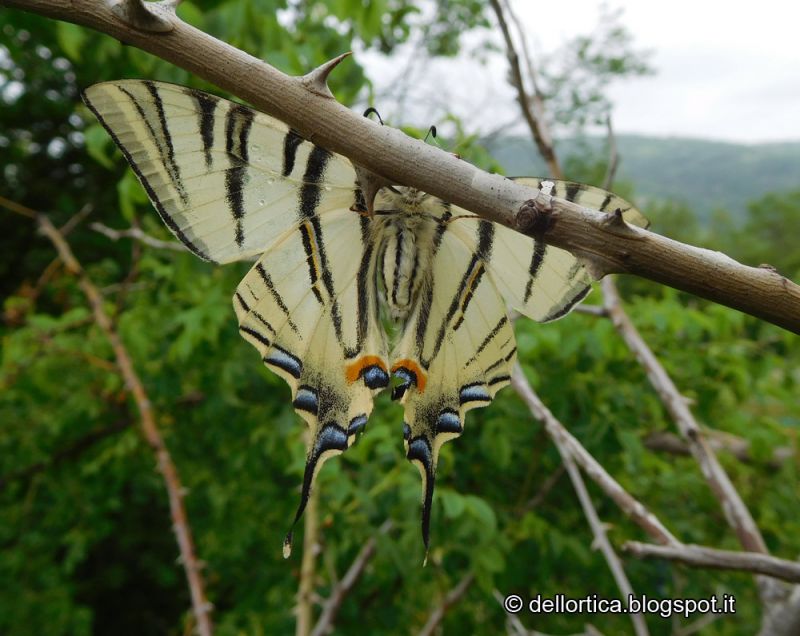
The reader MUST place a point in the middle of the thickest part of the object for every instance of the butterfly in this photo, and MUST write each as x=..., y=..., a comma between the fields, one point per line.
x=331, y=271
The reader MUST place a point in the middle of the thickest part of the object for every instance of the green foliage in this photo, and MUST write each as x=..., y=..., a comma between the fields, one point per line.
x=85, y=540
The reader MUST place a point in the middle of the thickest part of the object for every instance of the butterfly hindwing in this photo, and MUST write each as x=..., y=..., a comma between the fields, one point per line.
x=455, y=353
x=541, y=281
x=232, y=184
x=308, y=307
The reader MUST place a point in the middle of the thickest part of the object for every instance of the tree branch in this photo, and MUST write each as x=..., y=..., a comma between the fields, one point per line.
x=331, y=607
x=538, y=132
x=137, y=234
x=601, y=540
x=568, y=445
x=735, y=510
x=605, y=245
x=450, y=599
x=739, y=447
x=169, y=472
x=703, y=557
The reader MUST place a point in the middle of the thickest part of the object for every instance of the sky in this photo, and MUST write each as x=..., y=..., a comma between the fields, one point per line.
x=723, y=70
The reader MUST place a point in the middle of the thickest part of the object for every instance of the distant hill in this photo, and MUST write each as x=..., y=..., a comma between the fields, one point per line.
x=706, y=175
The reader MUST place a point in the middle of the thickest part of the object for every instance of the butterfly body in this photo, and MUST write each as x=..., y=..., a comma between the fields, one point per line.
x=235, y=184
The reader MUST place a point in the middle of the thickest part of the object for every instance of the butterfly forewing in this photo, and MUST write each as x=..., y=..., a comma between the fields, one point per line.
x=220, y=174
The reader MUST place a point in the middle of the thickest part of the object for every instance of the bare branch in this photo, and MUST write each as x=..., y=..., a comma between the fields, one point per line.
x=331, y=607
x=311, y=548
x=703, y=557
x=591, y=310
x=567, y=444
x=393, y=155
x=75, y=220
x=735, y=510
x=719, y=441
x=139, y=235
x=613, y=156
x=601, y=539
x=175, y=490
x=540, y=137
x=452, y=597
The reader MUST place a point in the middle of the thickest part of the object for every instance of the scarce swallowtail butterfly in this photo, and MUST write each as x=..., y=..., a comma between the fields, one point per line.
x=232, y=183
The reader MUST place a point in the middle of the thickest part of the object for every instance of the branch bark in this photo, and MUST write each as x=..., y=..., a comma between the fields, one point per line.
x=703, y=557
x=735, y=510
x=601, y=540
x=342, y=588
x=568, y=445
x=606, y=246
x=175, y=491
x=450, y=599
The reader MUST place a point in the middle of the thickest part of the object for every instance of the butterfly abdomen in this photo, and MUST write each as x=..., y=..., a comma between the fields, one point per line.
x=400, y=268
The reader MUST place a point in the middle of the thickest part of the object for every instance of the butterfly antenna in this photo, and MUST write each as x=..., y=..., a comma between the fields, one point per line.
x=372, y=110
x=431, y=133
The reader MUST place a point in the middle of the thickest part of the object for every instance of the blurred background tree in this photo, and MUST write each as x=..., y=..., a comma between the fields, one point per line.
x=85, y=539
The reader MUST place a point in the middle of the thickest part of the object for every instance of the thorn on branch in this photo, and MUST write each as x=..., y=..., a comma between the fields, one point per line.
x=317, y=80
x=152, y=17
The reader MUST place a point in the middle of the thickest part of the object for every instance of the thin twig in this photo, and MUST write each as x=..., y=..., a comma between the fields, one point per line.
x=201, y=606
x=450, y=599
x=331, y=607
x=305, y=591
x=703, y=557
x=139, y=235
x=513, y=620
x=75, y=220
x=534, y=123
x=719, y=441
x=601, y=538
x=735, y=510
x=613, y=156
x=591, y=310
x=627, y=503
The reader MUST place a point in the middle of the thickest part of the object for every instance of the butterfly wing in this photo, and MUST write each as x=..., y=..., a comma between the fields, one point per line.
x=456, y=350
x=231, y=184
x=223, y=177
x=541, y=281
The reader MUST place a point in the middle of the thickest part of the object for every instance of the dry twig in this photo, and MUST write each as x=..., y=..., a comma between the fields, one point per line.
x=200, y=605
x=450, y=599
x=139, y=235
x=703, y=557
x=567, y=444
x=735, y=510
x=330, y=609
x=538, y=131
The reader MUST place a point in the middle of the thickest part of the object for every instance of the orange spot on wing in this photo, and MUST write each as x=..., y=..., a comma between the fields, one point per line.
x=415, y=369
x=353, y=371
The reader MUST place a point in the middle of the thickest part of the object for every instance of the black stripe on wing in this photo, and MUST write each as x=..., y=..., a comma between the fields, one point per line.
x=165, y=150
x=206, y=105
x=238, y=124
x=469, y=283
x=162, y=212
